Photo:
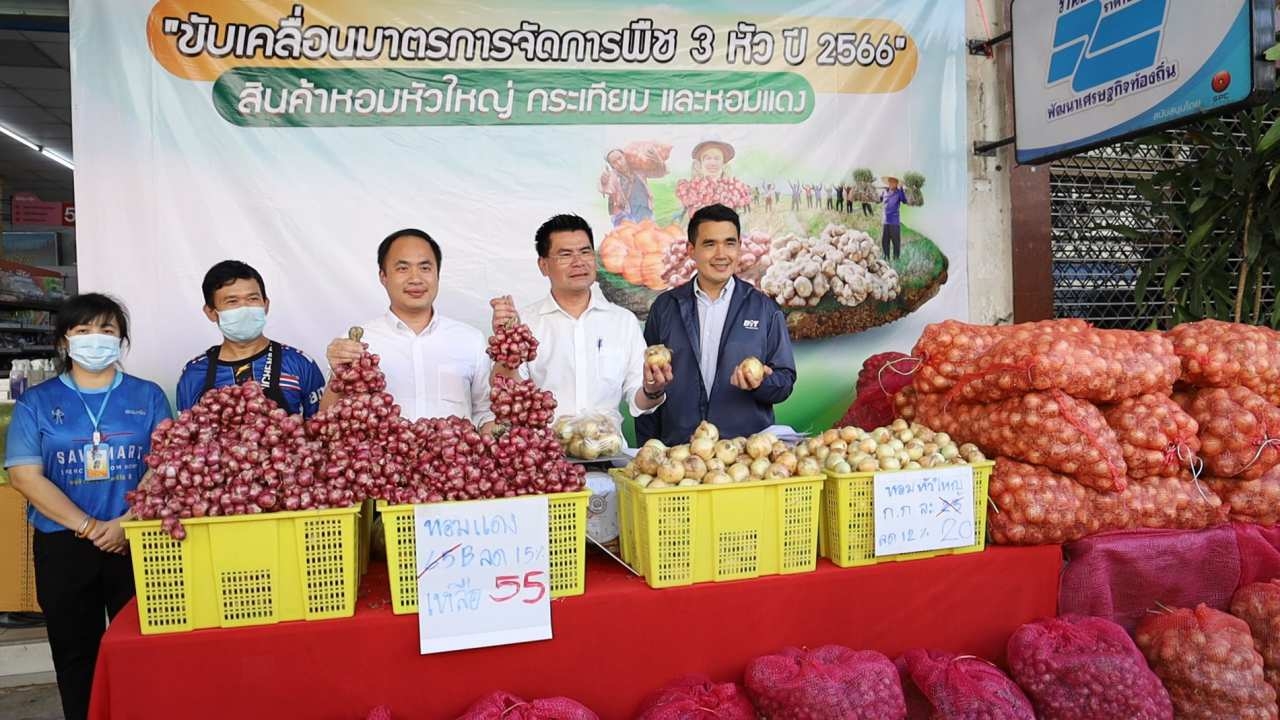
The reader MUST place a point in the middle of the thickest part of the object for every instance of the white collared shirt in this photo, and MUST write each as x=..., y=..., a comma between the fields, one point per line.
x=712, y=315
x=590, y=363
x=439, y=372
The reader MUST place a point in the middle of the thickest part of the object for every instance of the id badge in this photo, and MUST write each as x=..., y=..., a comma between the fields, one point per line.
x=97, y=462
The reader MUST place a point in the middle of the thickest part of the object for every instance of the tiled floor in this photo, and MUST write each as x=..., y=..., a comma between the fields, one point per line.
x=33, y=702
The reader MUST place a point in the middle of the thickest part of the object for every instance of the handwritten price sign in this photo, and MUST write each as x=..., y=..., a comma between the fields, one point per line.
x=920, y=510
x=482, y=573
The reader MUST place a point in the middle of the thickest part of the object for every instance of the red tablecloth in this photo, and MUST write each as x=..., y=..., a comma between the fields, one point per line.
x=612, y=646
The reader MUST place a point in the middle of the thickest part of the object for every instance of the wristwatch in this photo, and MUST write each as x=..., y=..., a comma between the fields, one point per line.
x=653, y=396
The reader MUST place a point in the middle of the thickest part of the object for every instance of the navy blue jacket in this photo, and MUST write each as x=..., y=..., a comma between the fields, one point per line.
x=755, y=326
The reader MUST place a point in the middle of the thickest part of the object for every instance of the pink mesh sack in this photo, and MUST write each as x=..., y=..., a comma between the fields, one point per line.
x=828, y=682
x=1080, y=668
x=697, y=698
x=505, y=706
x=961, y=687
x=1120, y=575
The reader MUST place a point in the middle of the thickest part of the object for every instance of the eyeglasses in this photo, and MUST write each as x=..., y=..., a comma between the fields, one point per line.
x=566, y=258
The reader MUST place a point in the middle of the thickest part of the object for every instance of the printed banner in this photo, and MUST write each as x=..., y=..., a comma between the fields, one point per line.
x=295, y=135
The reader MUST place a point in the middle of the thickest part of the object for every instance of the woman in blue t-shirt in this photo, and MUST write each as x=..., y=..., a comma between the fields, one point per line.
x=76, y=445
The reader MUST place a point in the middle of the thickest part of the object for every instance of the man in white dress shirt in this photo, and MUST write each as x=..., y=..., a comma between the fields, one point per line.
x=435, y=366
x=590, y=351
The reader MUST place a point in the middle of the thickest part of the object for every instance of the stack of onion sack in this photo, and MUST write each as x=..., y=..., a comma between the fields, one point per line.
x=1078, y=668
x=234, y=453
x=959, y=687
x=505, y=706
x=882, y=376
x=1258, y=604
x=828, y=682
x=697, y=698
x=1087, y=435
x=1207, y=662
x=1230, y=383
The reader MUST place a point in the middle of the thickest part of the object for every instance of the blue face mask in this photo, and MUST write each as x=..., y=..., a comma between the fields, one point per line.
x=93, y=352
x=242, y=324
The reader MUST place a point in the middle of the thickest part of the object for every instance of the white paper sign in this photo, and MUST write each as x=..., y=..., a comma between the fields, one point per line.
x=482, y=573
x=919, y=510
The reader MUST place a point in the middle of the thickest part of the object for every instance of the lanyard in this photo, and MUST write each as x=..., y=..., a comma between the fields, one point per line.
x=95, y=418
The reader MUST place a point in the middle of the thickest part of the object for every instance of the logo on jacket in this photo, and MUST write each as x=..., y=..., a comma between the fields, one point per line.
x=751, y=324
x=58, y=415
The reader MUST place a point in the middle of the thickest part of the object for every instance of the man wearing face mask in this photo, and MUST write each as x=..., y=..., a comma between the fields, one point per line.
x=235, y=298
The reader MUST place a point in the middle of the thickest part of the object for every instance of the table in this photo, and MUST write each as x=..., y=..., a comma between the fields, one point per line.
x=612, y=646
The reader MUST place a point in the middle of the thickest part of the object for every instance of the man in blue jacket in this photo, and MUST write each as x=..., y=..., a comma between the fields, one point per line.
x=711, y=324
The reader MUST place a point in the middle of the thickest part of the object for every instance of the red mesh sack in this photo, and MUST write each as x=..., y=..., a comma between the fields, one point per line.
x=1083, y=668
x=1102, y=366
x=647, y=157
x=887, y=372
x=697, y=698
x=962, y=687
x=1156, y=436
x=1120, y=575
x=871, y=409
x=949, y=349
x=1222, y=354
x=505, y=706
x=1258, y=604
x=1051, y=429
x=1251, y=501
x=1035, y=506
x=829, y=682
x=1239, y=432
x=1206, y=660
x=918, y=706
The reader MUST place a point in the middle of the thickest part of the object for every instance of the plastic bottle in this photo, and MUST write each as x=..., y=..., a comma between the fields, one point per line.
x=18, y=378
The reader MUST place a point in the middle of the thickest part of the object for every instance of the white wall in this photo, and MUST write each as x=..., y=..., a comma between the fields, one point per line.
x=990, y=236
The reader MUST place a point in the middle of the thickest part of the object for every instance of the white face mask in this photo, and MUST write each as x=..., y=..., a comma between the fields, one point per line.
x=242, y=324
x=93, y=352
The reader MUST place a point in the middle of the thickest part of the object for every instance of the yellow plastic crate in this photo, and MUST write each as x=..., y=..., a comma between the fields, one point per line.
x=245, y=570
x=703, y=533
x=848, y=519
x=566, y=548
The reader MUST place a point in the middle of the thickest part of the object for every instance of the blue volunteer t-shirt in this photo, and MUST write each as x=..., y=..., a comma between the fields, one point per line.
x=893, y=200
x=51, y=428
x=301, y=381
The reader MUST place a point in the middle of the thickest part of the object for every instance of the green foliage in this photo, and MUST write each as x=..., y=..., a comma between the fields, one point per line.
x=1220, y=205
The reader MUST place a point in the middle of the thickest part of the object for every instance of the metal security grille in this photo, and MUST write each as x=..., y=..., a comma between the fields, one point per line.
x=1094, y=267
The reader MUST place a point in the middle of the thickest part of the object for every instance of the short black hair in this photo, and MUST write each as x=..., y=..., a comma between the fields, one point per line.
x=84, y=309
x=385, y=246
x=713, y=213
x=225, y=273
x=560, y=223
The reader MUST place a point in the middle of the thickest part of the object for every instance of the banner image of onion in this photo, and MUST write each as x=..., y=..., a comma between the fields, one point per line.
x=825, y=267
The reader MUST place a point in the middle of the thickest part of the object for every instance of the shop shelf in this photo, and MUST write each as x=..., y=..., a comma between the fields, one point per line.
x=245, y=570
x=703, y=533
x=848, y=519
x=566, y=547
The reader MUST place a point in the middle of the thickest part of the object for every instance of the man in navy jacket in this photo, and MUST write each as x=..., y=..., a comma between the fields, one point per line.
x=711, y=324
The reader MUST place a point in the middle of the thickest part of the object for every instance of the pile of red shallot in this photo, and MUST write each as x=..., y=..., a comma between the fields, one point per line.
x=236, y=453
x=512, y=345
